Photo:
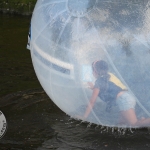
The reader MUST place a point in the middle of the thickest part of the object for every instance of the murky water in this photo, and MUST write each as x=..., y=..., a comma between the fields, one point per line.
x=34, y=121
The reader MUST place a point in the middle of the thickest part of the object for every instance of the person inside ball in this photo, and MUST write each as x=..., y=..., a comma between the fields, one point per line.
x=109, y=91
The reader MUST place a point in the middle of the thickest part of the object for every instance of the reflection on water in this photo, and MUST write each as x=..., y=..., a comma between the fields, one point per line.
x=34, y=122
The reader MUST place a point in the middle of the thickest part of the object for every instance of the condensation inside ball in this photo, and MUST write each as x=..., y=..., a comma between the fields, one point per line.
x=68, y=35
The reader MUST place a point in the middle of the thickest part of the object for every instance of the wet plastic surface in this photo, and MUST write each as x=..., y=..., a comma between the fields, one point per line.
x=67, y=36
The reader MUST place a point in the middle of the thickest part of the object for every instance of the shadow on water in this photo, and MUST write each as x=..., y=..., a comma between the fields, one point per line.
x=34, y=121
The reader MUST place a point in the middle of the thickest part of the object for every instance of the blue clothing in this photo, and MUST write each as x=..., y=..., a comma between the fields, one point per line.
x=126, y=101
x=108, y=89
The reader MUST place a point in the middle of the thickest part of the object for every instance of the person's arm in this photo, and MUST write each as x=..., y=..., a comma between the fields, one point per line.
x=91, y=102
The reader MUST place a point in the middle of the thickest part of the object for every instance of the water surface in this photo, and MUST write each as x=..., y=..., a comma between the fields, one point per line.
x=34, y=121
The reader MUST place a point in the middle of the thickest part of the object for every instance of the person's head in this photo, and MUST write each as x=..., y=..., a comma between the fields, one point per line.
x=99, y=68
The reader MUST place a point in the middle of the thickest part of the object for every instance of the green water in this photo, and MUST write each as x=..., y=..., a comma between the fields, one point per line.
x=16, y=71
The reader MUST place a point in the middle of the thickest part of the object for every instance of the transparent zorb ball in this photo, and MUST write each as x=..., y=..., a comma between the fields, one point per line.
x=68, y=35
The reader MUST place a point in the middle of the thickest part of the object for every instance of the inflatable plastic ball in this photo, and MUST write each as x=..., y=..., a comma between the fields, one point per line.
x=92, y=57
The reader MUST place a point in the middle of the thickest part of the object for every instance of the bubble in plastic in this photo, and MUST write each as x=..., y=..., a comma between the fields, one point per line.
x=67, y=36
